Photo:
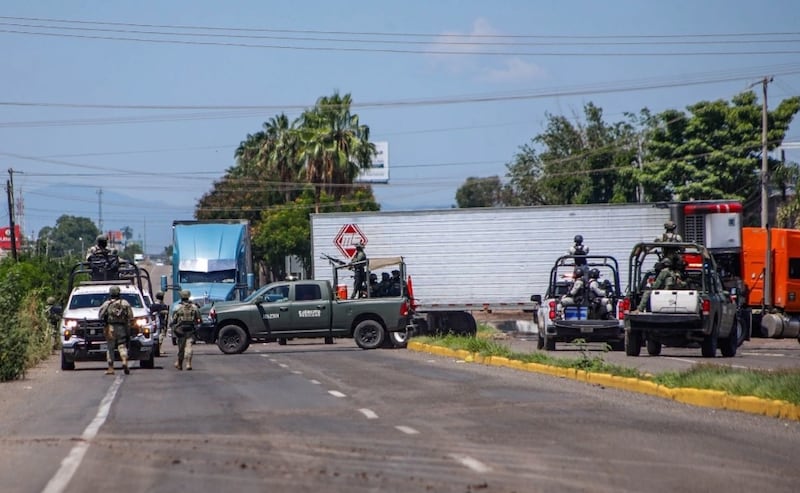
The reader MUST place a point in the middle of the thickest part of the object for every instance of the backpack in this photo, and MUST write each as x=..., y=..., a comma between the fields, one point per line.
x=186, y=314
x=117, y=312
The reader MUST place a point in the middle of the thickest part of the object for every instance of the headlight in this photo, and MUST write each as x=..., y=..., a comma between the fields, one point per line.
x=141, y=322
x=70, y=323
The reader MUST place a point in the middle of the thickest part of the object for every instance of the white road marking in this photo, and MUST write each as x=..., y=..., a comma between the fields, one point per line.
x=273, y=360
x=315, y=382
x=407, y=430
x=774, y=355
x=690, y=361
x=297, y=372
x=336, y=393
x=283, y=365
x=471, y=463
x=72, y=461
x=369, y=413
x=264, y=356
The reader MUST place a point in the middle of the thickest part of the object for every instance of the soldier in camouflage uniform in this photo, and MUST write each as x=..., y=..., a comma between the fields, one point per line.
x=184, y=323
x=118, y=315
x=664, y=280
x=359, y=266
x=161, y=310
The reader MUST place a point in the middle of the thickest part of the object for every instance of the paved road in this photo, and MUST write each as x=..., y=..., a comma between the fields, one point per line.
x=314, y=417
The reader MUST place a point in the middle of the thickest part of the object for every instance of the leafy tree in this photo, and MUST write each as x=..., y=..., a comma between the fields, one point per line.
x=580, y=162
x=70, y=235
x=714, y=151
x=479, y=192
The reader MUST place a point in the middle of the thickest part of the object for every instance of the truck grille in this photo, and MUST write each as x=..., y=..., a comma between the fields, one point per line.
x=90, y=329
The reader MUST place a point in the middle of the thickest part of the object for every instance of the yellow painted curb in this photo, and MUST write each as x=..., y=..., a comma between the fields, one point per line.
x=697, y=397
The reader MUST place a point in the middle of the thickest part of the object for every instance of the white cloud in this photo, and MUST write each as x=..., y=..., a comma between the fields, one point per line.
x=462, y=56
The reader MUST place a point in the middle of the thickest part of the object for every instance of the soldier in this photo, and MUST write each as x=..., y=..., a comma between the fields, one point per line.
x=359, y=266
x=385, y=286
x=575, y=294
x=669, y=235
x=117, y=314
x=100, y=248
x=103, y=261
x=578, y=248
x=52, y=313
x=161, y=310
x=397, y=284
x=185, y=320
x=599, y=296
x=664, y=280
x=373, y=285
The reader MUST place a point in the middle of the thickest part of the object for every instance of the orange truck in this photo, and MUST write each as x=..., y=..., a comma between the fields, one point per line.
x=771, y=284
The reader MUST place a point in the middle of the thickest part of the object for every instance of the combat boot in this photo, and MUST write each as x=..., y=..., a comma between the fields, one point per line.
x=125, y=366
x=110, y=370
x=179, y=365
x=189, y=363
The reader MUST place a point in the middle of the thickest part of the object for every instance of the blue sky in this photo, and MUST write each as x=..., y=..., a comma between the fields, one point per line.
x=157, y=122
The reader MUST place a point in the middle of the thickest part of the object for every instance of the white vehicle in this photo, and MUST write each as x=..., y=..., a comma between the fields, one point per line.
x=482, y=259
x=82, y=337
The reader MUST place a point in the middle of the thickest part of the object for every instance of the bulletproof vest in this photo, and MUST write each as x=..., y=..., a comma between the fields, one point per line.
x=186, y=314
x=117, y=312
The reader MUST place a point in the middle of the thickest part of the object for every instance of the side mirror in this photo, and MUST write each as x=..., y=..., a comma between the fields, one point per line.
x=536, y=298
x=251, y=281
x=163, y=283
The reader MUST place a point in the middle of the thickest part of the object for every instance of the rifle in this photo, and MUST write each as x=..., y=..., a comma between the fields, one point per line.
x=333, y=260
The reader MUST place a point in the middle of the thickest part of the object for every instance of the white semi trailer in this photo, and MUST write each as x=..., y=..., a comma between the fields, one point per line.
x=482, y=259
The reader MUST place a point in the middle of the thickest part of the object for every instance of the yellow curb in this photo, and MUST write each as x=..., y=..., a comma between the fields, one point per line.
x=696, y=397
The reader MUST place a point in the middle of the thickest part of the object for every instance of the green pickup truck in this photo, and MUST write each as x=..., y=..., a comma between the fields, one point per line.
x=307, y=309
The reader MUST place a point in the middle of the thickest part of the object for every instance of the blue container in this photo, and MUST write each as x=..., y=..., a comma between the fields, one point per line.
x=576, y=313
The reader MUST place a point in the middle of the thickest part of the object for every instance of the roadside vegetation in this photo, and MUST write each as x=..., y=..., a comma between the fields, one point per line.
x=781, y=385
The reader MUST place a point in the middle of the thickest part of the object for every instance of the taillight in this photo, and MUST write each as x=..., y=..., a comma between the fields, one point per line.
x=623, y=306
x=552, y=313
x=404, y=311
x=706, y=307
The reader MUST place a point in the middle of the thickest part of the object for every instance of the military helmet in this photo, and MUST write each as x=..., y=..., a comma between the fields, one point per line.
x=185, y=295
x=666, y=262
x=160, y=296
x=51, y=300
x=578, y=239
x=594, y=274
x=578, y=271
x=113, y=290
x=670, y=225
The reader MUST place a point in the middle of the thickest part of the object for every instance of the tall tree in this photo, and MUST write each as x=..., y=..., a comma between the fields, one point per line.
x=479, y=192
x=714, y=151
x=68, y=237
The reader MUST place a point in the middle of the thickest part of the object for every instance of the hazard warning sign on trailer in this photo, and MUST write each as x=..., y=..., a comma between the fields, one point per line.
x=347, y=239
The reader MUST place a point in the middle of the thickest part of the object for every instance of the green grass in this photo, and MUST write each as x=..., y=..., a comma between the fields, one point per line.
x=780, y=385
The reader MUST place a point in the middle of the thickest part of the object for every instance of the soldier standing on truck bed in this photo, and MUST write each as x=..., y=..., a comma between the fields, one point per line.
x=359, y=265
x=579, y=249
x=185, y=320
x=117, y=314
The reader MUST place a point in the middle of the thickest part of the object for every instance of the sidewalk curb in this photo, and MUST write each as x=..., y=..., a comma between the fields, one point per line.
x=703, y=398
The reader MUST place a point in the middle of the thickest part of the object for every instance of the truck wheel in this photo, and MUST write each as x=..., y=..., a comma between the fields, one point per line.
x=67, y=365
x=708, y=348
x=729, y=345
x=282, y=341
x=653, y=347
x=149, y=363
x=232, y=339
x=157, y=349
x=397, y=340
x=369, y=334
x=633, y=343
x=539, y=341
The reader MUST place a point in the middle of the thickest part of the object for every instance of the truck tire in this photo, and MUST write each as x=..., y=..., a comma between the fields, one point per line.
x=633, y=343
x=708, y=348
x=369, y=334
x=67, y=365
x=157, y=349
x=397, y=340
x=282, y=341
x=730, y=344
x=232, y=339
x=148, y=363
x=328, y=339
x=653, y=347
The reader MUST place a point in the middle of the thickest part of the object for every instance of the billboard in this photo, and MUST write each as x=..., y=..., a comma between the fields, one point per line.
x=379, y=172
x=5, y=237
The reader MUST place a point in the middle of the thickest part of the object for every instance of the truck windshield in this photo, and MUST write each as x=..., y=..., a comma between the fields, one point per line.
x=94, y=300
x=228, y=276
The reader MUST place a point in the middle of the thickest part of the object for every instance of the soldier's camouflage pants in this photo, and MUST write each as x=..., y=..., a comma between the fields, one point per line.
x=116, y=338
x=185, y=344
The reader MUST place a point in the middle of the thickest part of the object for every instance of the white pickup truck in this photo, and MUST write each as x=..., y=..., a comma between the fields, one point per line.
x=696, y=311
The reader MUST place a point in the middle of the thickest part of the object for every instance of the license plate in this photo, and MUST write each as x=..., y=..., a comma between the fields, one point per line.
x=587, y=330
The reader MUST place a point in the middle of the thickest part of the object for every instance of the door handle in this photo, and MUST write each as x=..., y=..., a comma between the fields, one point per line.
x=321, y=307
x=283, y=308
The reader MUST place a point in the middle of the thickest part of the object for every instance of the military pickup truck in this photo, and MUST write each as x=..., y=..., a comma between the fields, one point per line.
x=287, y=310
x=588, y=317
x=695, y=310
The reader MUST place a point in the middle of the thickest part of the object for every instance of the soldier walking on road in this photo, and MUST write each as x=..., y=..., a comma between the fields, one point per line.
x=52, y=313
x=184, y=322
x=117, y=315
x=161, y=310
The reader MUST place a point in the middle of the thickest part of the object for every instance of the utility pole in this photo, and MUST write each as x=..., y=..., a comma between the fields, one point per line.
x=764, y=156
x=100, y=210
x=10, y=190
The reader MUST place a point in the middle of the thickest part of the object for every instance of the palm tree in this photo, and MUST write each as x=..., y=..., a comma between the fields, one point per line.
x=335, y=146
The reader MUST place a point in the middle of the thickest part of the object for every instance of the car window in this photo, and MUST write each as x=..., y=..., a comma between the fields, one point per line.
x=276, y=293
x=307, y=292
